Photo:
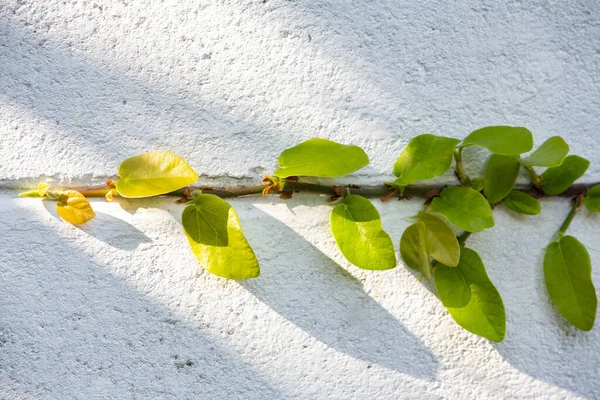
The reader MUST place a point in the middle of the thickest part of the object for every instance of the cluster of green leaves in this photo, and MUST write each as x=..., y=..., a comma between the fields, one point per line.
x=430, y=245
x=462, y=282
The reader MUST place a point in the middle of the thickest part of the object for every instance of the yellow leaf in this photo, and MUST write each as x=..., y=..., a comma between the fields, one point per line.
x=43, y=188
x=73, y=207
x=109, y=196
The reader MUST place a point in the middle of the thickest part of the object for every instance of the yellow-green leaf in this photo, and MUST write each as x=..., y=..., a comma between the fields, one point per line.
x=73, y=207
x=471, y=298
x=500, y=176
x=215, y=236
x=568, y=275
x=592, y=199
x=322, y=158
x=504, y=140
x=153, y=174
x=522, y=203
x=440, y=239
x=42, y=190
x=465, y=208
x=356, y=227
x=425, y=157
x=414, y=250
x=550, y=154
x=558, y=179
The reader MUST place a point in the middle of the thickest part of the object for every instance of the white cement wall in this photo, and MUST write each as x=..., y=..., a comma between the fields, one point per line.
x=117, y=309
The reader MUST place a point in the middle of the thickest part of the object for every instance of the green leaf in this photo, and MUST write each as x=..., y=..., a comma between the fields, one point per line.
x=321, y=157
x=504, y=140
x=451, y=286
x=465, y=208
x=471, y=298
x=215, y=236
x=414, y=250
x=153, y=174
x=568, y=274
x=522, y=203
x=425, y=157
x=550, y=154
x=558, y=179
x=477, y=184
x=592, y=199
x=440, y=240
x=500, y=176
x=356, y=227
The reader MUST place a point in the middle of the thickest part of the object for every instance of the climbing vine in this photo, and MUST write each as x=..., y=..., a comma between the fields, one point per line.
x=433, y=245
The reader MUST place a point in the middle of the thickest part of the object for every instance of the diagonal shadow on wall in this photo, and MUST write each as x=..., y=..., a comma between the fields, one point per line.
x=68, y=328
x=314, y=293
x=559, y=355
x=105, y=114
x=109, y=229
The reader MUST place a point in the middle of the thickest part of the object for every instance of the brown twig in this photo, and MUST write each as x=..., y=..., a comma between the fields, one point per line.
x=378, y=191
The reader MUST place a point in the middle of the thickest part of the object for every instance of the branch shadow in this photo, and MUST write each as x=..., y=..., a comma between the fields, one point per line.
x=70, y=328
x=331, y=305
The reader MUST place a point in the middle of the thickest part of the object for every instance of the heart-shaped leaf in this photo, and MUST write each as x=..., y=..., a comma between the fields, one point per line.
x=500, y=176
x=522, y=203
x=153, y=174
x=440, y=240
x=215, y=236
x=592, y=199
x=550, y=154
x=425, y=157
x=73, y=207
x=568, y=274
x=558, y=179
x=356, y=227
x=322, y=158
x=471, y=298
x=414, y=250
x=465, y=208
x=504, y=140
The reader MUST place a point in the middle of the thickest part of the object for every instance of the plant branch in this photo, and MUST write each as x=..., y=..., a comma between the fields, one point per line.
x=577, y=203
x=378, y=191
x=535, y=178
x=460, y=168
x=462, y=239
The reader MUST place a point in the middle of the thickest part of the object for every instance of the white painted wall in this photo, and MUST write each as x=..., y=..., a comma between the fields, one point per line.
x=118, y=309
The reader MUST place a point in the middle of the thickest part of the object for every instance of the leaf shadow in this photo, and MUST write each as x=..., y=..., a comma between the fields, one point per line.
x=108, y=229
x=326, y=301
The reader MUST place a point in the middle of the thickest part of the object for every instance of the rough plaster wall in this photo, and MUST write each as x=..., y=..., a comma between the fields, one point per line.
x=118, y=309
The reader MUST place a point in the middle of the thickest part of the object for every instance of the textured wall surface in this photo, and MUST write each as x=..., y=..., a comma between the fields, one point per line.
x=119, y=309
